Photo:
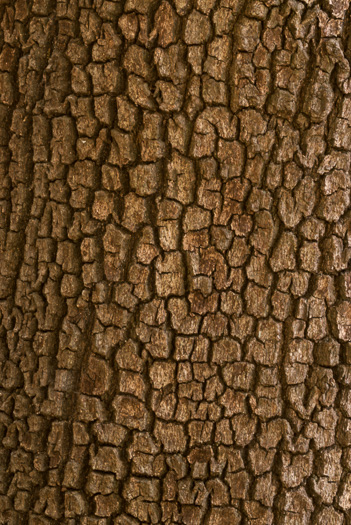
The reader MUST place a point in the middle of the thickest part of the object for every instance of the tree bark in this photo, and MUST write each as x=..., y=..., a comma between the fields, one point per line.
x=175, y=279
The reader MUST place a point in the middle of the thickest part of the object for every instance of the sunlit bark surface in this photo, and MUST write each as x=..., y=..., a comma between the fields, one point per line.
x=175, y=278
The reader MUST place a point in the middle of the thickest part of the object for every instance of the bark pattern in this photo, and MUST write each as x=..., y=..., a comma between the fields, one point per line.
x=175, y=278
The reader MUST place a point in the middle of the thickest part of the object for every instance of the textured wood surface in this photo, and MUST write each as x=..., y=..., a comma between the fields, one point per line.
x=175, y=278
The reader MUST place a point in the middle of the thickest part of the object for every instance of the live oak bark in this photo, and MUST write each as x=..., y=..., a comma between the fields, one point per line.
x=175, y=277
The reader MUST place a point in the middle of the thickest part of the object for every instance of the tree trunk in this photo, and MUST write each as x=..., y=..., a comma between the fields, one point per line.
x=175, y=244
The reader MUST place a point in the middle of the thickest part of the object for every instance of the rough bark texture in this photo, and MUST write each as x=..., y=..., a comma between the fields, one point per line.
x=175, y=278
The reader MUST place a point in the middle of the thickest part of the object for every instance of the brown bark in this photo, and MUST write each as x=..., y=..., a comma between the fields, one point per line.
x=175, y=279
